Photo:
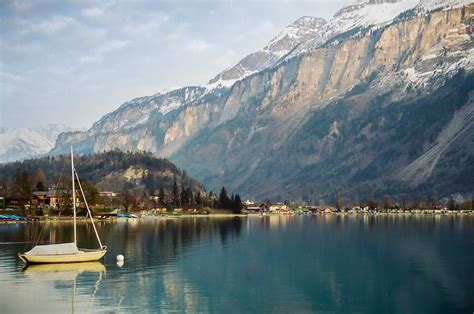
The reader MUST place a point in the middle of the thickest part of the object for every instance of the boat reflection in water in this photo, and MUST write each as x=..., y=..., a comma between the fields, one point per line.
x=63, y=273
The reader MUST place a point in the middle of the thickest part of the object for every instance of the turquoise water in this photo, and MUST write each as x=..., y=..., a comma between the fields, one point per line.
x=271, y=264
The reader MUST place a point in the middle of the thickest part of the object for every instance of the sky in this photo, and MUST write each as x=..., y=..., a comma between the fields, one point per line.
x=71, y=62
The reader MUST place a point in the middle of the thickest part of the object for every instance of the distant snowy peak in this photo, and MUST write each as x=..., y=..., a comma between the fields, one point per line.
x=365, y=14
x=429, y=5
x=299, y=31
x=22, y=143
x=16, y=138
x=370, y=12
x=52, y=130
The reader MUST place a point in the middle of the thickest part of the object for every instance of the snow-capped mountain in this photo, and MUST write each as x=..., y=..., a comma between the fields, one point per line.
x=379, y=97
x=138, y=111
x=141, y=111
x=22, y=143
x=298, y=32
x=302, y=36
x=365, y=15
x=430, y=5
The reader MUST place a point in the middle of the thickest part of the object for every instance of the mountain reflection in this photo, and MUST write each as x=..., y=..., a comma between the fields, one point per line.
x=137, y=238
x=261, y=264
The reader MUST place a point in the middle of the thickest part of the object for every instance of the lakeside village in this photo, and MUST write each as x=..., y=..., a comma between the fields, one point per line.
x=50, y=204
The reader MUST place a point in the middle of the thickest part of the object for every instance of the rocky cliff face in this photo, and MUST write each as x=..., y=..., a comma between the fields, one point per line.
x=334, y=120
x=133, y=125
x=141, y=122
x=384, y=109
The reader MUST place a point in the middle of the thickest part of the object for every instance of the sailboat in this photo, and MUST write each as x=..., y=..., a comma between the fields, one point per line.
x=66, y=252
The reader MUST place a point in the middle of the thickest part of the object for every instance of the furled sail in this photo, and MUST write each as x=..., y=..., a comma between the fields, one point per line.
x=54, y=249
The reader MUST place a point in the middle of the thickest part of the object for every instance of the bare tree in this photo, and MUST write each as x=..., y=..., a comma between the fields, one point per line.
x=339, y=202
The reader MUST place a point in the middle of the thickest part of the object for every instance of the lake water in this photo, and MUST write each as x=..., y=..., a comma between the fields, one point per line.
x=271, y=264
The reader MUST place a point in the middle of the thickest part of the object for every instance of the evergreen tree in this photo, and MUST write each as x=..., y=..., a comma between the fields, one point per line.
x=39, y=186
x=339, y=202
x=237, y=204
x=161, y=196
x=184, y=199
x=224, y=200
x=175, y=194
x=25, y=185
x=189, y=196
x=149, y=182
x=17, y=184
x=198, y=199
x=38, y=177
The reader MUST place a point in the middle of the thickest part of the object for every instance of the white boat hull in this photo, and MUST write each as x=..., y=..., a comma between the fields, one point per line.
x=82, y=256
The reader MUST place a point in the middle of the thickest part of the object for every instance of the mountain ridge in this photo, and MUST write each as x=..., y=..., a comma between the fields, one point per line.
x=228, y=136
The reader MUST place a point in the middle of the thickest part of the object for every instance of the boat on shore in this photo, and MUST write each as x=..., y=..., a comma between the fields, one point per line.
x=66, y=252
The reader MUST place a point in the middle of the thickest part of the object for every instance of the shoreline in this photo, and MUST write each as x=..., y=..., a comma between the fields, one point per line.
x=414, y=213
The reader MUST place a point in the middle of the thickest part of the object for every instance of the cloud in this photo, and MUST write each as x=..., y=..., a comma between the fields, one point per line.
x=143, y=29
x=11, y=76
x=55, y=24
x=93, y=12
x=21, y=5
x=88, y=59
x=76, y=45
x=102, y=50
x=92, y=33
x=266, y=26
x=46, y=26
x=112, y=45
x=23, y=47
x=198, y=45
x=147, y=27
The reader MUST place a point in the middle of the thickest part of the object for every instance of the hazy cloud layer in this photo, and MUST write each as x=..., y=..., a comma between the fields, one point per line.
x=73, y=61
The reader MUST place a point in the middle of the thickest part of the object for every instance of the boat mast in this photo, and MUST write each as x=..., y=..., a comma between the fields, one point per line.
x=73, y=195
x=89, y=211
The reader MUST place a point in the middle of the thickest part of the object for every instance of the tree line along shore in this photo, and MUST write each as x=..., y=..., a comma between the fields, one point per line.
x=123, y=182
